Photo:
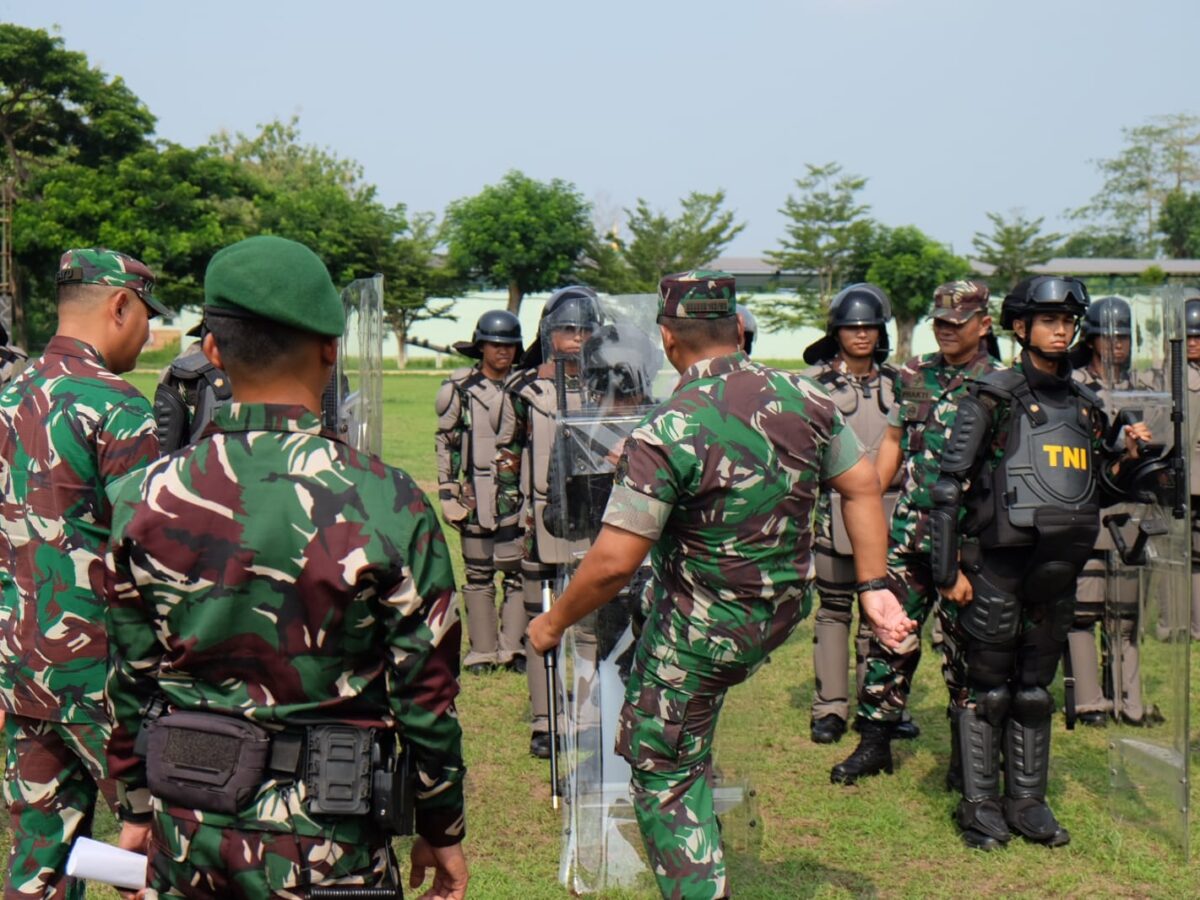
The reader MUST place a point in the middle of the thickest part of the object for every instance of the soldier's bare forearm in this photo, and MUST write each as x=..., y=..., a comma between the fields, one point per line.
x=862, y=511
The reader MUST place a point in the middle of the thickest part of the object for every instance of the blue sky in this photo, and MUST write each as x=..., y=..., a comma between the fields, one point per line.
x=952, y=108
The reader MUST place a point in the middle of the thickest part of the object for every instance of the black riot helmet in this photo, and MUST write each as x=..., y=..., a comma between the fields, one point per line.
x=1191, y=316
x=859, y=304
x=1044, y=293
x=576, y=306
x=619, y=363
x=1110, y=316
x=749, y=327
x=497, y=326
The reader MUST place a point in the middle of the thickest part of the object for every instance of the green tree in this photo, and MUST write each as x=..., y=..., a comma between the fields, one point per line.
x=909, y=265
x=313, y=196
x=422, y=282
x=56, y=108
x=520, y=234
x=827, y=229
x=1160, y=156
x=1101, y=243
x=1014, y=247
x=1180, y=225
x=171, y=206
x=659, y=244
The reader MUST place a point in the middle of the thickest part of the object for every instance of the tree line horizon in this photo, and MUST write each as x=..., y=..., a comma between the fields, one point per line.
x=82, y=166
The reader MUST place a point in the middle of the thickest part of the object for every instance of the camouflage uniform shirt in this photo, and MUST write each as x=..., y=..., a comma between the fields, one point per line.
x=272, y=572
x=68, y=429
x=725, y=476
x=927, y=392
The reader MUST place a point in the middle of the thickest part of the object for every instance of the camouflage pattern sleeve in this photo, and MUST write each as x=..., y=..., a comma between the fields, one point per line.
x=843, y=450
x=424, y=633
x=511, y=440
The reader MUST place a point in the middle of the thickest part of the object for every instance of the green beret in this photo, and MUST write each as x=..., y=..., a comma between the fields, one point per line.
x=269, y=277
x=699, y=294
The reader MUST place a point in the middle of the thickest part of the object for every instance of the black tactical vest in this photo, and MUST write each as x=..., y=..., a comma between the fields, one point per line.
x=1045, y=488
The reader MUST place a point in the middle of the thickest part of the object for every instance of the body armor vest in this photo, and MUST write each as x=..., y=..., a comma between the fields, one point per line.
x=479, y=400
x=540, y=396
x=1045, y=484
x=865, y=402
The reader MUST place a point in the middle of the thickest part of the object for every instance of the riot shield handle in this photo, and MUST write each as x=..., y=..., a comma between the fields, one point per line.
x=1147, y=528
x=551, y=659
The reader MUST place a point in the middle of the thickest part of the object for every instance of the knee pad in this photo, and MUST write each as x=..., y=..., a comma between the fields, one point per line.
x=989, y=665
x=994, y=705
x=836, y=602
x=1032, y=704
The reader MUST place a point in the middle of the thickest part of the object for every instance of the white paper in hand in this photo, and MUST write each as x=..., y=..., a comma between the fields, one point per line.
x=96, y=861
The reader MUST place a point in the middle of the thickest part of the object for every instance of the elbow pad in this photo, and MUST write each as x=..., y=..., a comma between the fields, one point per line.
x=943, y=531
x=971, y=426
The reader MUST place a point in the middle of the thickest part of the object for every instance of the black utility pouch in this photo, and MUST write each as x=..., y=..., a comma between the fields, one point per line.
x=392, y=793
x=337, y=772
x=206, y=761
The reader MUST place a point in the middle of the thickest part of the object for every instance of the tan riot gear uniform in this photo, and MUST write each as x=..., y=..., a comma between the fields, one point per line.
x=468, y=408
x=1094, y=591
x=865, y=403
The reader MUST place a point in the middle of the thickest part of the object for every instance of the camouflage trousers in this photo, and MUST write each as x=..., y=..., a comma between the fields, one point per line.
x=53, y=774
x=191, y=859
x=666, y=731
x=888, y=674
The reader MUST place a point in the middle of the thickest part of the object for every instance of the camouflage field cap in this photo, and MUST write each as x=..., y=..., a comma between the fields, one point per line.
x=698, y=294
x=957, y=301
x=99, y=265
x=273, y=278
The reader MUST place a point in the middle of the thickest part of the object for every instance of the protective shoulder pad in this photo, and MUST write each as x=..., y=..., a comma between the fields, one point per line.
x=1086, y=393
x=445, y=397
x=972, y=423
x=1000, y=383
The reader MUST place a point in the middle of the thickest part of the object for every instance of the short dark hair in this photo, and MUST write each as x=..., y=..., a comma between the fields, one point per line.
x=255, y=344
x=700, y=334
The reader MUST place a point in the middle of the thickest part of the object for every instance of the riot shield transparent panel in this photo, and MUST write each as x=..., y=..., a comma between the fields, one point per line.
x=1148, y=584
x=356, y=412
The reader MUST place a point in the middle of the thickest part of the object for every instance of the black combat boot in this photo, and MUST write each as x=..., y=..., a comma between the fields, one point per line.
x=1026, y=769
x=827, y=729
x=979, y=814
x=906, y=729
x=872, y=755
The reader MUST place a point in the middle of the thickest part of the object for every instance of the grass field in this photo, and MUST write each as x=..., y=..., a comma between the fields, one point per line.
x=889, y=837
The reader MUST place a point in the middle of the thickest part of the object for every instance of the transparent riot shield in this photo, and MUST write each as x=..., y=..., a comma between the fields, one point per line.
x=620, y=378
x=355, y=410
x=1148, y=584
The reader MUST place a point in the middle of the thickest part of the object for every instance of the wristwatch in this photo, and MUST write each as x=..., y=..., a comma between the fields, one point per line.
x=875, y=584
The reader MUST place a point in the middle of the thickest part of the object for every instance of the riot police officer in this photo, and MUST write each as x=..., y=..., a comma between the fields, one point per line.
x=1192, y=320
x=524, y=440
x=1028, y=458
x=190, y=390
x=468, y=408
x=1101, y=362
x=848, y=362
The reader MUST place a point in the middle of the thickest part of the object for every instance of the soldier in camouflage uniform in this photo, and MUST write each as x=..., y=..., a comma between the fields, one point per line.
x=1016, y=511
x=731, y=557
x=524, y=441
x=927, y=392
x=468, y=408
x=849, y=364
x=69, y=428
x=276, y=579
x=1095, y=361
